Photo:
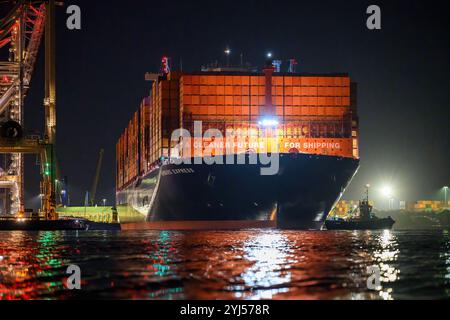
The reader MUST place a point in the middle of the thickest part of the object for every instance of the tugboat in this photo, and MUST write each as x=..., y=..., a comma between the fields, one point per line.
x=365, y=220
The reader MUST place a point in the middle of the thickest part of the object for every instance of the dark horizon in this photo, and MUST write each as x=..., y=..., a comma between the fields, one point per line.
x=402, y=71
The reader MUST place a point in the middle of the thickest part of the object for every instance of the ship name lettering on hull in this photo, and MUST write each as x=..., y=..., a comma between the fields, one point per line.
x=170, y=172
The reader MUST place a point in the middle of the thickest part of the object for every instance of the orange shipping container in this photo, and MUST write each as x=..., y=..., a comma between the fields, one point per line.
x=179, y=99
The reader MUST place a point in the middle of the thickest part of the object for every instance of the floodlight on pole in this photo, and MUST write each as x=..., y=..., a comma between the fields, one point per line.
x=445, y=196
x=227, y=53
x=387, y=191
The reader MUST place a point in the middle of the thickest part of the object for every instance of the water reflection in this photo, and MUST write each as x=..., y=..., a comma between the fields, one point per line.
x=161, y=258
x=163, y=266
x=445, y=255
x=28, y=271
x=385, y=256
x=250, y=264
x=268, y=275
x=141, y=265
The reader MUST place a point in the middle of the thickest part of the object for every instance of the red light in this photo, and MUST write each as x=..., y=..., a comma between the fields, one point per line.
x=165, y=65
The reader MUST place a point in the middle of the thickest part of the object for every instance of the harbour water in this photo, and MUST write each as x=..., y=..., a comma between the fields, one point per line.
x=249, y=264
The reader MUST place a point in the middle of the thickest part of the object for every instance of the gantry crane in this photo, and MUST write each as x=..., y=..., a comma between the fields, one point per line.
x=21, y=32
x=96, y=177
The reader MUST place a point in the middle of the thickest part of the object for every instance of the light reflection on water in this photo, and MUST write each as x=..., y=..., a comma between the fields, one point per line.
x=251, y=264
x=384, y=258
x=268, y=252
x=41, y=261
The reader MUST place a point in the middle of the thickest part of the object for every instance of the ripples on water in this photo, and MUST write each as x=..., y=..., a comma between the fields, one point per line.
x=251, y=264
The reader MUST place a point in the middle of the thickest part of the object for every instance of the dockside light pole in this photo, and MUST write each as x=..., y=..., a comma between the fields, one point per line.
x=445, y=197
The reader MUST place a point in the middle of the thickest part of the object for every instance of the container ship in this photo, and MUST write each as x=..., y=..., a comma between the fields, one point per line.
x=238, y=144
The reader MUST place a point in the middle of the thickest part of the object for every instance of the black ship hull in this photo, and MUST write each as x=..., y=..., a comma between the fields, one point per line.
x=300, y=195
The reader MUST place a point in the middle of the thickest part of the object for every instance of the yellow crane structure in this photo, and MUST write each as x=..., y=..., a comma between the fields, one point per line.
x=21, y=31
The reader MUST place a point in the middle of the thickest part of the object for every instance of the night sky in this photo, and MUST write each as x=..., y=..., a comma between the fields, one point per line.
x=403, y=74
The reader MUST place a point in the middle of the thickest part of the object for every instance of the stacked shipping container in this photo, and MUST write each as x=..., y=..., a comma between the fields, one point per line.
x=240, y=98
x=310, y=107
x=320, y=110
x=133, y=147
x=144, y=127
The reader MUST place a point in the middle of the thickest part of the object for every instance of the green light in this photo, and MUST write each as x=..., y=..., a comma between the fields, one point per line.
x=47, y=169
